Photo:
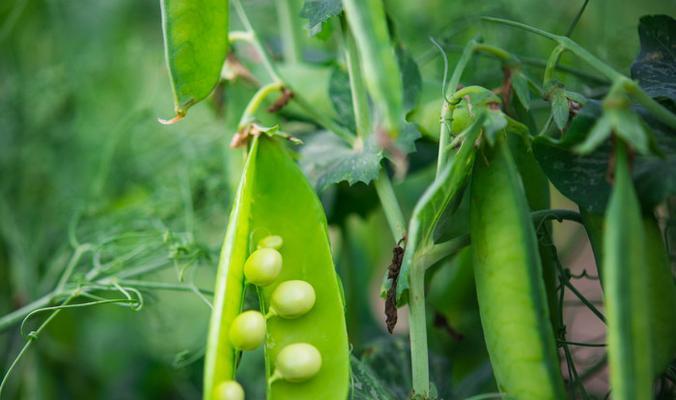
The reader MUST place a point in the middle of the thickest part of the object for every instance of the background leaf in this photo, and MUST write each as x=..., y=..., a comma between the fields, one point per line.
x=655, y=66
x=317, y=12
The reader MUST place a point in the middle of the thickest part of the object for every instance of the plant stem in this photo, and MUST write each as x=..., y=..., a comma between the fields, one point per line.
x=655, y=108
x=256, y=101
x=393, y=214
x=552, y=62
x=418, y=331
x=358, y=90
x=288, y=27
x=557, y=214
x=444, y=130
x=321, y=119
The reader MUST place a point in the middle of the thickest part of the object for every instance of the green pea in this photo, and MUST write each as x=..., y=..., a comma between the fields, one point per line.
x=263, y=266
x=291, y=299
x=247, y=330
x=271, y=242
x=508, y=276
x=229, y=390
x=297, y=362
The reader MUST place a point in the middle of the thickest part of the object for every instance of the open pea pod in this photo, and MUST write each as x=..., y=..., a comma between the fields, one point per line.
x=196, y=44
x=274, y=198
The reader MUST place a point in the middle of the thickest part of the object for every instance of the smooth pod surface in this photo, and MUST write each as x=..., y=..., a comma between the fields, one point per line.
x=625, y=295
x=508, y=275
x=298, y=362
x=292, y=299
x=196, y=44
x=274, y=197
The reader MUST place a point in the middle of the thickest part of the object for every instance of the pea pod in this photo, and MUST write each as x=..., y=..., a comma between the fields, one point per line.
x=378, y=60
x=196, y=44
x=629, y=344
x=661, y=295
x=508, y=275
x=274, y=198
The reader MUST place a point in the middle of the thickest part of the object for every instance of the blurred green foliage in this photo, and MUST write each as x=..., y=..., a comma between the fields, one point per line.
x=82, y=158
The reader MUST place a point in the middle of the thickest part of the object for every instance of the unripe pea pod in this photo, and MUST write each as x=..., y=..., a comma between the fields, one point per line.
x=292, y=299
x=248, y=330
x=263, y=266
x=297, y=362
x=229, y=390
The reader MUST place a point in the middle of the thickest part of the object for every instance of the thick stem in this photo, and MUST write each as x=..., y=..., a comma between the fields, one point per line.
x=655, y=108
x=358, y=90
x=256, y=101
x=418, y=331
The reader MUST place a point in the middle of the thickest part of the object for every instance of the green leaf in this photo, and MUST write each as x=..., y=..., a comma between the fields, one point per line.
x=365, y=384
x=326, y=159
x=559, y=107
x=655, y=66
x=317, y=12
x=494, y=122
x=599, y=133
x=520, y=86
x=410, y=78
x=627, y=125
x=196, y=44
x=341, y=97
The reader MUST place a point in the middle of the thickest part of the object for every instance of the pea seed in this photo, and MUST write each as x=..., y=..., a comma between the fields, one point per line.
x=229, y=390
x=298, y=362
x=291, y=299
x=248, y=330
x=271, y=242
x=263, y=266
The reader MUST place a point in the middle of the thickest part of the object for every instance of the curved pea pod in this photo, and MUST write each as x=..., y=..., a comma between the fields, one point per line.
x=508, y=275
x=367, y=22
x=626, y=295
x=274, y=198
x=196, y=44
x=661, y=295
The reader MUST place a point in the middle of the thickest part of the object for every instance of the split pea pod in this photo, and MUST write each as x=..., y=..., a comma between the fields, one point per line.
x=196, y=44
x=625, y=283
x=368, y=24
x=306, y=347
x=508, y=275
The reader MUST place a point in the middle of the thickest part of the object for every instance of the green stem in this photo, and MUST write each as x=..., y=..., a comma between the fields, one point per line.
x=358, y=89
x=289, y=30
x=655, y=108
x=501, y=54
x=255, y=42
x=393, y=214
x=557, y=214
x=552, y=62
x=445, y=130
x=321, y=119
x=418, y=331
x=256, y=101
x=439, y=251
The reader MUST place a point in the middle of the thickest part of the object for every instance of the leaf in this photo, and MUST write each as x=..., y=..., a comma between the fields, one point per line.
x=341, y=97
x=365, y=384
x=583, y=178
x=317, y=12
x=494, y=122
x=599, y=133
x=559, y=108
x=326, y=159
x=196, y=44
x=655, y=66
x=520, y=86
x=410, y=78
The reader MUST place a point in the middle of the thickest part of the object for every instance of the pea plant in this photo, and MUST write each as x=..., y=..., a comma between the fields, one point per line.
x=458, y=167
